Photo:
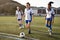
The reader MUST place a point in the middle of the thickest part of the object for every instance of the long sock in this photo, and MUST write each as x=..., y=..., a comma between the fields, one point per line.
x=29, y=31
x=20, y=25
x=47, y=25
x=50, y=26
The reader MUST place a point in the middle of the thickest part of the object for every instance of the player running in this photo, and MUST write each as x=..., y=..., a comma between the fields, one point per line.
x=49, y=17
x=28, y=16
x=19, y=17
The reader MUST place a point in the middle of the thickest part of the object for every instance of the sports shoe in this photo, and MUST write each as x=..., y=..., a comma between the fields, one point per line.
x=22, y=26
x=50, y=31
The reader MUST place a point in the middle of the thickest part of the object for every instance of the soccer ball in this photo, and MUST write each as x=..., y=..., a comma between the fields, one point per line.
x=22, y=34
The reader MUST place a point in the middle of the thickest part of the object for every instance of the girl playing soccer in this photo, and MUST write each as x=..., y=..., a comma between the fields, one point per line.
x=49, y=17
x=28, y=16
x=19, y=16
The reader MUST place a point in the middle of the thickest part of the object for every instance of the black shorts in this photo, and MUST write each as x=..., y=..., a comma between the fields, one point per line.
x=19, y=19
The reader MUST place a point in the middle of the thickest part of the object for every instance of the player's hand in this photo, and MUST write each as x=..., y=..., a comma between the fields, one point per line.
x=45, y=18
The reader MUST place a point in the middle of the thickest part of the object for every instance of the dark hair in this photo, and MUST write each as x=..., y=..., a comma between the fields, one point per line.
x=28, y=3
x=50, y=3
x=19, y=8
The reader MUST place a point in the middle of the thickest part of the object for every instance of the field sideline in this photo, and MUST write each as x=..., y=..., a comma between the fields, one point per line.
x=8, y=24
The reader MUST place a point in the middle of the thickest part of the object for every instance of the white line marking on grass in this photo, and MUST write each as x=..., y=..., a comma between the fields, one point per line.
x=8, y=23
x=9, y=37
x=8, y=34
x=12, y=36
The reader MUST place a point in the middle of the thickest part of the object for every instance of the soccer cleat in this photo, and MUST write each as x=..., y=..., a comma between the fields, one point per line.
x=50, y=32
x=20, y=27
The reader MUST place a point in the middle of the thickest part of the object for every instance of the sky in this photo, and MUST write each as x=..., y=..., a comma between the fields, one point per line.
x=39, y=3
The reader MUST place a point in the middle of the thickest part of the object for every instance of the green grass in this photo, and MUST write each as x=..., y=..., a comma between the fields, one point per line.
x=8, y=24
x=6, y=39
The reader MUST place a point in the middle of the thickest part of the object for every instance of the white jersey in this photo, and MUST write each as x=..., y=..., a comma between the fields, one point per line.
x=27, y=13
x=18, y=13
x=49, y=13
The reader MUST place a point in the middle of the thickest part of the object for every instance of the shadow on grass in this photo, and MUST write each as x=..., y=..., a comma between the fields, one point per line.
x=39, y=31
x=55, y=37
x=56, y=33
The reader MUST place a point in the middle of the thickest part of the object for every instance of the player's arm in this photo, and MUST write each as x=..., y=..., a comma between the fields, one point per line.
x=21, y=13
x=53, y=14
x=32, y=17
x=16, y=13
x=24, y=13
x=46, y=14
x=32, y=14
x=45, y=17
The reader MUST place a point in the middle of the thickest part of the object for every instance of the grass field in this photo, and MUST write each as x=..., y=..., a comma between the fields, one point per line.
x=8, y=24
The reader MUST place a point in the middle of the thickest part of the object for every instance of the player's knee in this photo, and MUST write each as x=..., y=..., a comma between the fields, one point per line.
x=27, y=25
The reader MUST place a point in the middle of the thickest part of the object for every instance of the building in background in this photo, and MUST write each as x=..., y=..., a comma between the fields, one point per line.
x=35, y=10
x=40, y=11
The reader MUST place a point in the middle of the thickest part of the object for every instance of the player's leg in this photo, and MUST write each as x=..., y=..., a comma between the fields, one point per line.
x=52, y=20
x=28, y=22
x=29, y=29
x=20, y=23
x=47, y=23
x=50, y=26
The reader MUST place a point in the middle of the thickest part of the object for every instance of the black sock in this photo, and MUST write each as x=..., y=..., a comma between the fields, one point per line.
x=20, y=25
x=29, y=31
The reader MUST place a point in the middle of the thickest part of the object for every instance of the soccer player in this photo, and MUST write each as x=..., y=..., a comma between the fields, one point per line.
x=28, y=16
x=49, y=17
x=19, y=17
